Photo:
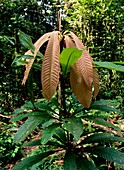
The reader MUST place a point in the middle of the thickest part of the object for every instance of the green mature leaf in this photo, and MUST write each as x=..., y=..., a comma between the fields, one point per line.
x=48, y=132
x=60, y=135
x=42, y=106
x=70, y=161
x=29, y=125
x=74, y=126
x=18, y=111
x=103, y=105
x=30, y=161
x=33, y=143
x=103, y=138
x=84, y=164
x=101, y=121
x=110, y=65
x=26, y=41
x=48, y=123
x=32, y=113
x=109, y=154
x=68, y=57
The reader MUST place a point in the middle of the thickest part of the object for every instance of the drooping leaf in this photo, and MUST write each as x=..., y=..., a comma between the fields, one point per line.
x=77, y=41
x=110, y=65
x=30, y=124
x=51, y=66
x=70, y=161
x=95, y=82
x=68, y=42
x=74, y=126
x=85, y=67
x=48, y=132
x=68, y=57
x=103, y=138
x=30, y=161
x=84, y=164
x=79, y=87
x=37, y=45
x=101, y=121
x=109, y=154
x=103, y=105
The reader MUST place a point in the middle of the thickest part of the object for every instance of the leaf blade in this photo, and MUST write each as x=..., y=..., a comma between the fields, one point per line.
x=70, y=161
x=51, y=66
x=109, y=154
x=30, y=161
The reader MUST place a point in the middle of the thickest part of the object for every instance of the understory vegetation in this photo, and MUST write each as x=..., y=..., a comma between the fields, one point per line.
x=61, y=85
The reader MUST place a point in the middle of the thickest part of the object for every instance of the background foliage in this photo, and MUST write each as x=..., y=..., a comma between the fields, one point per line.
x=99, y=23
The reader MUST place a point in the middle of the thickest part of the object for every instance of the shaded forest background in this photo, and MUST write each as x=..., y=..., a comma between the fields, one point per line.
x=99, y=23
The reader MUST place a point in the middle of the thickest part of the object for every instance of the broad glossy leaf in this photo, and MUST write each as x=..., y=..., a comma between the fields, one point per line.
x=68, y=57
x=84, y=164
x=31, y=113
x=110, y=65
x=101, y=121
x=60, y=135
x=30, y=124
x=30, y=161
x=48, y=132
x=70, y=161
x=36, y=142
x=109, y=154
x=103, y=105
x=74, y=126
x=51, y=66
x=103, y=138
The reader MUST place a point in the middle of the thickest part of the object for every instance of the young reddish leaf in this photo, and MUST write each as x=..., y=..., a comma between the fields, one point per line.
x=79, y=87
x=37, y=45
x=77, y=41
x=85, y=68
x=51, y=66
x=69, y=42
x=95, y=82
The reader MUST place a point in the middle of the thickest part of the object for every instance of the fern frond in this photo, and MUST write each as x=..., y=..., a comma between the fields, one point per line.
x=51, y=66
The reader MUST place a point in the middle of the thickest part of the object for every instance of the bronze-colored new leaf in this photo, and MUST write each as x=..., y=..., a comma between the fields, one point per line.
x=37, y=45
x=95, y=82
x=51, y=66
x=77, y=41
x=69, y=43
x=85, y=67
x=79, y=87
